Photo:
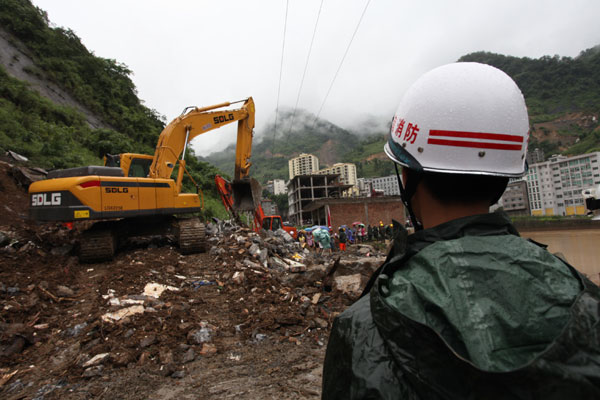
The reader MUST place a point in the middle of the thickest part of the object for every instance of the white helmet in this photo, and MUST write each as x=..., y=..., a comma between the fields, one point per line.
x=461, y=118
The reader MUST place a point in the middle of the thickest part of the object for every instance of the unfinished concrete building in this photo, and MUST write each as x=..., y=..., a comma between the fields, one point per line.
x=304, y=189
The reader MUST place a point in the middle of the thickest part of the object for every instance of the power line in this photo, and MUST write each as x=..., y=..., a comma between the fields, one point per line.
x=287, y=3
x=341, y=62
x=305, y=67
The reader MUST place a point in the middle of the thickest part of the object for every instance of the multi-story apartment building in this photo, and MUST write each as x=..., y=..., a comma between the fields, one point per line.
x=554, y=186
x=347, y=173
x=276, y=186
x=304, y=164
x=535, y=156
x=386, y=184
x=515, y=200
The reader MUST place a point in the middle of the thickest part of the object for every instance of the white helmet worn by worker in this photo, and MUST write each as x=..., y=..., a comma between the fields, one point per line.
x=461, y=118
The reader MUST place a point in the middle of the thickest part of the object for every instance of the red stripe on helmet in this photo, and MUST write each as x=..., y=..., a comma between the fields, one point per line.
x=478, y=135
x=475, y=145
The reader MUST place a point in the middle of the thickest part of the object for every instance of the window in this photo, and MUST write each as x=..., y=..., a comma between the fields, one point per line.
x=140, y=167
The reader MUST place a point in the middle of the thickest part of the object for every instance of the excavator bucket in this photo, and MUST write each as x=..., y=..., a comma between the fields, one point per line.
x=247, y=194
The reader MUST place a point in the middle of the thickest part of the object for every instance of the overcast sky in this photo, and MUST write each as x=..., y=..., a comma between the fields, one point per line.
x=203, y=52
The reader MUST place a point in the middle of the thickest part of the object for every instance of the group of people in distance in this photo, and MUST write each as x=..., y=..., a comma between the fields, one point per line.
x=327, y=240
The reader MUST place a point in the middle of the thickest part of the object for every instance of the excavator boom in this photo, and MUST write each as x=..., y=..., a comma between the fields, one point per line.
x=175, y=137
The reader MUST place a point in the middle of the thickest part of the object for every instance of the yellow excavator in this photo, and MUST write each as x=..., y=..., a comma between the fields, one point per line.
x=133, y=194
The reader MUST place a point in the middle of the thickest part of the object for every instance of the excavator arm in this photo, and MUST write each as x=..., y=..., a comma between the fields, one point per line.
x=174, y=138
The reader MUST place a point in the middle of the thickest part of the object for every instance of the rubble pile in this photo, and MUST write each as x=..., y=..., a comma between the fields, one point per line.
x=65, y=326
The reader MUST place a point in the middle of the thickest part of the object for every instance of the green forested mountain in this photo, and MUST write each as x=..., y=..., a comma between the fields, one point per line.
x=55, y=136
x=562, y=96
x=272, y=150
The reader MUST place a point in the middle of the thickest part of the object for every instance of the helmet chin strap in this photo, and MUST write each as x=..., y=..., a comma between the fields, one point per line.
x=407, y=193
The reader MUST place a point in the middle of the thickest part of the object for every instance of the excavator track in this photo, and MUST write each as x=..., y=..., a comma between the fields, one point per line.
x=192, y=236
x=97, y=245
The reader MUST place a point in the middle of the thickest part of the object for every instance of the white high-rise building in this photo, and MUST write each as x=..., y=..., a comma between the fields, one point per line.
x=304, y=164
x=347, y=173
x=388, y=185
x=554, y=187
x=279, y=186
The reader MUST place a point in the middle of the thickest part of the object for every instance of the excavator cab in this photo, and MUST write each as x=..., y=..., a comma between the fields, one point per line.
x=133, y=165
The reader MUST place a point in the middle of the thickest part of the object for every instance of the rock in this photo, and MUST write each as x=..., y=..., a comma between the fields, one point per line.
x=189, y=356
x=144, y=358
x=263, y=256
x=238, y=277
x=165, y=355
x=129, y=333
x=96, y=360
x=16, y=347
x=122, y=359
x=277, y=264
x=170, y=269
x=260, y=337
x=62, y=250
x=178, y=374
x=166, y=370
x=321, y=323
x=316, y=298
x=200, y=336
x=294, y=266
x=208, y=349
x=76, y=330
x=64, y=291
x=66, y=356
x=283, y=234
x=254, y=250
x=365, y=248
x=147, y=341
x=93, y=371
x=349, y=284
x=251, y=264
x=4, y=239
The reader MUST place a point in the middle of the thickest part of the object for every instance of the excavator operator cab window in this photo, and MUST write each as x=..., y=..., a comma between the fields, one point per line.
x=139, y=168
x=266, y=224
x=276, y=224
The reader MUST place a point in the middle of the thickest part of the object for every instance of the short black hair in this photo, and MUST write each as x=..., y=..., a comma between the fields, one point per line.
x=463, y=188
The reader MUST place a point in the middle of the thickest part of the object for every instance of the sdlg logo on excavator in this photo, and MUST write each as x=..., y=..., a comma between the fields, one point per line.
x=45, y=199
x=222, y=118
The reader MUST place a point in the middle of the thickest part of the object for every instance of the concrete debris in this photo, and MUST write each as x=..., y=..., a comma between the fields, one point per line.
x=93, y=371
x=349, y=284
x=96, y=360
x=202, y=335
x=238, y=277
x=122, y=313
x=156, y=289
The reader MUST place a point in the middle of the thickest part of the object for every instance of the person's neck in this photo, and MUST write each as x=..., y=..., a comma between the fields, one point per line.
x=434, y=216
x=433, y=212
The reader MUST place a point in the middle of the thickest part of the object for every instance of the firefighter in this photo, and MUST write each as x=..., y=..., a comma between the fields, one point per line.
x=466, y=308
